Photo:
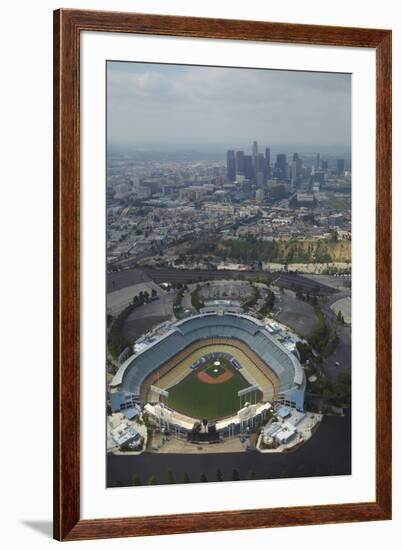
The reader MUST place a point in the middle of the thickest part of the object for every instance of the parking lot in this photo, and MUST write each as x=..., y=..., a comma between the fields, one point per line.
x=143, y=318
x=296, y=314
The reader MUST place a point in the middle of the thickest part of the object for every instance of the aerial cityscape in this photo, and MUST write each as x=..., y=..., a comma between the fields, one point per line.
x=228, y=249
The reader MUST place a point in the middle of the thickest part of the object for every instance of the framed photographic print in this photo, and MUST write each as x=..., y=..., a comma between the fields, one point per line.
x=222, y=215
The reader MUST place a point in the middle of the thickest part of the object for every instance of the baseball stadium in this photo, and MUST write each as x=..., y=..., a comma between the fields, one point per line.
x=210, y=373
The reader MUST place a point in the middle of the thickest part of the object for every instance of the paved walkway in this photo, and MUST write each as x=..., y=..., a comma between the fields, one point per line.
x=176, y=446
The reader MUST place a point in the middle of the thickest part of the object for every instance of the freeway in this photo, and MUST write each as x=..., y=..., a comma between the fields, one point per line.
x=122, y=279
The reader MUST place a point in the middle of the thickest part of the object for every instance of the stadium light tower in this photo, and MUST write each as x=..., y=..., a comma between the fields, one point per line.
x=161, y=394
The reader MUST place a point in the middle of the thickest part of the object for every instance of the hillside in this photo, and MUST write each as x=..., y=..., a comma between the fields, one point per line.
x=280, y=251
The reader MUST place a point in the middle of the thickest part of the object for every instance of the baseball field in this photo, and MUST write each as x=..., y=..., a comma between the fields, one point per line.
x=210, y=391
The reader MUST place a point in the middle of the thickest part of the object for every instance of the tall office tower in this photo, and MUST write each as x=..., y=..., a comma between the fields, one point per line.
x=318, y=161
x=340, y=166
x=268, y=156
x=255, y=148
x=324, y=165
x=255, y=158
x=281, y=166
x=261, y=169
x=231, y=165
x=268, y=162
x=248, y=167
x=293, y=172
x=260, y=180
x=261, y=162
x=240, y=163
x=299, y=163
x=246, y=187
x=295, y=168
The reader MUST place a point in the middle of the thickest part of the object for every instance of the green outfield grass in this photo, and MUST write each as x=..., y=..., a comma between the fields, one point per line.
x=212, y=401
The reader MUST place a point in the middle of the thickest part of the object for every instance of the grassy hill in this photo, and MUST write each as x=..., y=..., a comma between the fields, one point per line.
x=280, y=251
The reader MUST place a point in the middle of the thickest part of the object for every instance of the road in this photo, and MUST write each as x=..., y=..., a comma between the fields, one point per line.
x=341, y=359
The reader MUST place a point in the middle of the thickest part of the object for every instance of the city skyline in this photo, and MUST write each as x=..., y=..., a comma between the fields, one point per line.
x=153, y=104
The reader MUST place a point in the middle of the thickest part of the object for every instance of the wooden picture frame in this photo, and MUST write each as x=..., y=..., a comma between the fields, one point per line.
x=68, y=24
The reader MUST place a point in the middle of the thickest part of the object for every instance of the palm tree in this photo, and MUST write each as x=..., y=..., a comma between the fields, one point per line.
x=219, y=475
x=235, y=475
x=186, y=478
x=170, y=477
x=152, y=480
x=136, y=480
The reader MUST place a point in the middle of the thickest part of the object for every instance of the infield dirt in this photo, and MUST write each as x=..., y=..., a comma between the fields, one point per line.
x=208, y=379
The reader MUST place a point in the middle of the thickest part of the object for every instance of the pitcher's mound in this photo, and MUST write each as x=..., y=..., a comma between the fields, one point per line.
x=208, y=379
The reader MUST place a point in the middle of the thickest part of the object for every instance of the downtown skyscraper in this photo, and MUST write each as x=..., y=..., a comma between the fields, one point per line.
x=231, y=165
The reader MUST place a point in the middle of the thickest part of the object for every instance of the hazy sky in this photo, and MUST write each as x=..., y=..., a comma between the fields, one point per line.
x=180, y=104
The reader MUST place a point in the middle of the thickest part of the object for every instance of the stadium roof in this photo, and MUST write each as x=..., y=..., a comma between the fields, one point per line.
x=130, y=413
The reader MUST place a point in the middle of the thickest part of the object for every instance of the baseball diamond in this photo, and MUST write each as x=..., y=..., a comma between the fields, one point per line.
x=231, y=350
x=203, y=396
x=212, y=375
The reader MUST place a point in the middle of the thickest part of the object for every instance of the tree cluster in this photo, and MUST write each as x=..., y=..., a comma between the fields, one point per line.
x=116, y=340
x=251, y=300
x=196, y=299
x=268, y=304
